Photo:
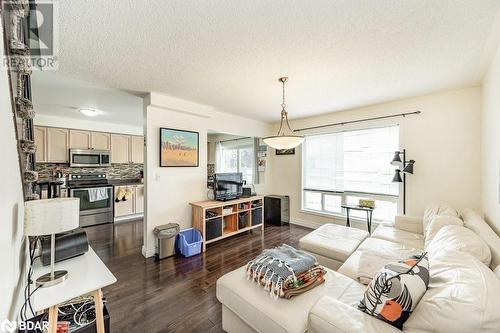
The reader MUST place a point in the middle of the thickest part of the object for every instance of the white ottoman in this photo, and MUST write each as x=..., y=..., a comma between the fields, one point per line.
x=332, y=244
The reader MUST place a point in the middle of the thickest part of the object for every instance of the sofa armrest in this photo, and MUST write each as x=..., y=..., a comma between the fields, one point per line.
x=331, y=315
x=409, y=223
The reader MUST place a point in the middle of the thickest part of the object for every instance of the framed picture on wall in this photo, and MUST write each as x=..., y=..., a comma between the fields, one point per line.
x=179, y=148
x=285, y=151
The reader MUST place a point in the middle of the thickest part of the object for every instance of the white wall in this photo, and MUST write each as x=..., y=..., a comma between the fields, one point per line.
x=94, y=125
x=12, y=250
x=444, y=140
x=169, y=190
x=490, y=154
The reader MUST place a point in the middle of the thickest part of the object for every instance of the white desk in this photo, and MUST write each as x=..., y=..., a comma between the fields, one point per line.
x=87, y=274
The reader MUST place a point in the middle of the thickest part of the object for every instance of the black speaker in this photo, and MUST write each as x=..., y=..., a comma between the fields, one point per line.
x=68, y=245
x=247, y=192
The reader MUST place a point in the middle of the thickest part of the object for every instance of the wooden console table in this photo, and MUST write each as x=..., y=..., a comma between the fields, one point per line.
x=217, y=220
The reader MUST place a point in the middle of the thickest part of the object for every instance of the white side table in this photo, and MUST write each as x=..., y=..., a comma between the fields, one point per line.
x=87, y=275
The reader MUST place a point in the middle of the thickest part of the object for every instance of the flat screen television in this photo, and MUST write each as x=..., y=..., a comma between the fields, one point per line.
x=228, y=186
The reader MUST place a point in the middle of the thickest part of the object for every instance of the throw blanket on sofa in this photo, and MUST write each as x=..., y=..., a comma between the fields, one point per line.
x=284, y=268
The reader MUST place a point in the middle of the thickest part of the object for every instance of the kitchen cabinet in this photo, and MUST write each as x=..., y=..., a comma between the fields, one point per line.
x=132, y=207
x=40, y=142
x=123, y=208
x=53, y=144
x=57, y=145
x=120, y=148
x=101, y=141
x=79, y=139
x=137, y=149
x=139, y=199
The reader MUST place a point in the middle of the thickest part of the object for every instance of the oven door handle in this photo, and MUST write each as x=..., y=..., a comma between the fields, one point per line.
x=72, y=190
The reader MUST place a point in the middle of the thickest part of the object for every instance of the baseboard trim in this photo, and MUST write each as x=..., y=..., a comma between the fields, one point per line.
x=306, y=223
x=148, y=253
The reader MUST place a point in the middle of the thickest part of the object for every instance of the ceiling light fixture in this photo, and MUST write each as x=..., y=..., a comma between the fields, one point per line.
x=88, y=112
x=286, y=138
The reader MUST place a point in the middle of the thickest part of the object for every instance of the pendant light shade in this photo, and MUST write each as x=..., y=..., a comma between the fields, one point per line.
x=285, y=139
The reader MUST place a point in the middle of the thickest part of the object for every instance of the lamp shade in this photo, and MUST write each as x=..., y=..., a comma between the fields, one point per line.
x=284, y=141
x=396, y=159
x=51, y=216
x=397, y=177
x=409, y=167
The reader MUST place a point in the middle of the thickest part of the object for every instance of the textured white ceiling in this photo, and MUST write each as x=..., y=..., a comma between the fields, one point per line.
x=57, y=95
x=229, y=53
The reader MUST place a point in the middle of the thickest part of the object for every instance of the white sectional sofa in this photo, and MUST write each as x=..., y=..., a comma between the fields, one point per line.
x=462, y=297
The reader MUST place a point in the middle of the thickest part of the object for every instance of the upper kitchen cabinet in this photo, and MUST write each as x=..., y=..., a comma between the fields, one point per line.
x=57, y=145
x=120, y=148
x=137, y=149
x=40, y=142
x=79, y=139
x=101, y=141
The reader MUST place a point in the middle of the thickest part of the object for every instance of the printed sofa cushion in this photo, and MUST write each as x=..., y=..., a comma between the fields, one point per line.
x=396, y=290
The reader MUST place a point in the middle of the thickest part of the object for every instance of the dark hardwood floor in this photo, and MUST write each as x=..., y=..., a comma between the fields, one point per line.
x=174, y=294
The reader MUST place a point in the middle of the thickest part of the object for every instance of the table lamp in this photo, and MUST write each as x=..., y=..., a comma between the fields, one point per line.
x=48, y=217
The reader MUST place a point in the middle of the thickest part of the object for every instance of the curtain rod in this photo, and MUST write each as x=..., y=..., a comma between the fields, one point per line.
x=243, y=138
x=359, y=121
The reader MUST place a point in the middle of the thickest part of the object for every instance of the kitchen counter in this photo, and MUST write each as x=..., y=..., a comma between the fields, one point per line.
x=124, y=182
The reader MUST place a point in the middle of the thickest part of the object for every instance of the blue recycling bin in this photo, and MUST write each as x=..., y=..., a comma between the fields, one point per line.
x=189, y=242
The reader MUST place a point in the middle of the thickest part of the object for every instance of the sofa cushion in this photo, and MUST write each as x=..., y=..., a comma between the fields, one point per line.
x=254, y=306
x=333, y=241
x=434, y=209
x=399, y=236
x=385, y=249
x=437, y=223
x=462, y=297
x=474, y=222
x=396, y=290
x=497, y=271
x=459, y=239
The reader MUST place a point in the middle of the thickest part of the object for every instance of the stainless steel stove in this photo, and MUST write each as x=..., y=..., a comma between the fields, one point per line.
x=96, y=197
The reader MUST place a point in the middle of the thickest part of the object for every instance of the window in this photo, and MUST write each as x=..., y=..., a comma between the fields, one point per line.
x=340, y=168
x=238, y=156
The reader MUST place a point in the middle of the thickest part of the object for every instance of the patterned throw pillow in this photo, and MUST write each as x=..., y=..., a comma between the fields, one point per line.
x=396, y=290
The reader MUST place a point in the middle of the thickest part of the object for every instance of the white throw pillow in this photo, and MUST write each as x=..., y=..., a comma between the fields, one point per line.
x=434, y=209
x=462, y=297
x=497, y=271
x=461, y=239
x=437, y=223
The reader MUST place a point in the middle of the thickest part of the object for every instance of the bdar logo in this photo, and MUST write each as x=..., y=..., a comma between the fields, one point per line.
x=8, y=326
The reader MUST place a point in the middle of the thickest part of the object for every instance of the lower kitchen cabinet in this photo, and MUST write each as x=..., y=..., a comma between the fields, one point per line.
x=133, y=205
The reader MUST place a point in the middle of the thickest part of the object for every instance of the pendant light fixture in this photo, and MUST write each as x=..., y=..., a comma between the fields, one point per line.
x=285, y=139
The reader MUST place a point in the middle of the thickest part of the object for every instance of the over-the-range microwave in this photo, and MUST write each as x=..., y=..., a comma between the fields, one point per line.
x=89, y=158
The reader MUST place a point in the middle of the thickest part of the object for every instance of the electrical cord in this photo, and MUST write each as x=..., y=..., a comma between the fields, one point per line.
x=27, y=289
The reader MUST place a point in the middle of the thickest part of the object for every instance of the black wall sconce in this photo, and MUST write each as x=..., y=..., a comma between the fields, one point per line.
x=407, y=166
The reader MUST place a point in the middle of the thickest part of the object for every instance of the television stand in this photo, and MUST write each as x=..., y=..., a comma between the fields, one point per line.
x=217, y=220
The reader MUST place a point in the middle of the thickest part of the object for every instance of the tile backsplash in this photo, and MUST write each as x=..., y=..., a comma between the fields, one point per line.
x=115, y=171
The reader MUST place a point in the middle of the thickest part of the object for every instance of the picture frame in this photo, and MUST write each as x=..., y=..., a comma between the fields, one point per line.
x=179, y=148
x=285, y=151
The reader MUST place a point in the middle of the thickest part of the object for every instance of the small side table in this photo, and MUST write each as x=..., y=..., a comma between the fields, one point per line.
x=87, y=275
x=369, y=214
